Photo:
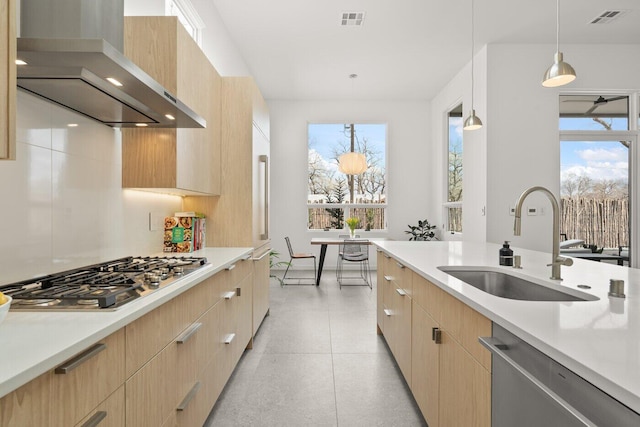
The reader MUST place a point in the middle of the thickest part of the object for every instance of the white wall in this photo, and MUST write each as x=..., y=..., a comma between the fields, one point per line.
x=408, y=165
x=63, y=205
x=518, y=147
x=522, y=126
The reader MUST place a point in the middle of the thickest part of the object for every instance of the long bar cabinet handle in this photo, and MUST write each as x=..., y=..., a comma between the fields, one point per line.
x=95, y=419
x=231, y=267
x=401, y=292
x=229, y=338
x=188, y=333
x=262, y=256
x=187, y=399
x=388, y=278
x=387, y=312
x=229, y=295
x=78, y=360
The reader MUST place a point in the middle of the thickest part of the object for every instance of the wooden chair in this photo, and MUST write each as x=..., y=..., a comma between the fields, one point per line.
x=295, y=256
x=354, y=251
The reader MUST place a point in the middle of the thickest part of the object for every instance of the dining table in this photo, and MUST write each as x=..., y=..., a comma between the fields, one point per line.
x=326, y=241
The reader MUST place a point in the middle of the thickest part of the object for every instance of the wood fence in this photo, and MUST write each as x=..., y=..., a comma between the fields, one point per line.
x=601, y=222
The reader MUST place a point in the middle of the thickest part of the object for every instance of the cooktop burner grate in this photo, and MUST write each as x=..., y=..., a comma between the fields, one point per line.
x=105, y=285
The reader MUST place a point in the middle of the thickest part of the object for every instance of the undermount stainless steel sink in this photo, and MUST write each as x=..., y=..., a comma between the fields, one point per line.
x=509, y=286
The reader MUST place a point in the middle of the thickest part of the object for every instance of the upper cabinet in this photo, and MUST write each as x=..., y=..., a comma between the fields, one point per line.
x=7, y=80
x=176, y=161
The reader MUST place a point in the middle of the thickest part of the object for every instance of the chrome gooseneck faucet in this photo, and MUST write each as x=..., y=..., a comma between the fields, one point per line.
x=556, y=259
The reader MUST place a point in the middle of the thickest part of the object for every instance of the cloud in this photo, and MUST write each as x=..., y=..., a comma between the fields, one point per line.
x=601, y=154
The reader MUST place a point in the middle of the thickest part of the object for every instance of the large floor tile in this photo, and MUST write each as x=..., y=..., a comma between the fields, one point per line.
x=317, y=361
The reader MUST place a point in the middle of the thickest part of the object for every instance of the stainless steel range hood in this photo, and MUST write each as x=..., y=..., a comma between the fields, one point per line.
x=71, y=48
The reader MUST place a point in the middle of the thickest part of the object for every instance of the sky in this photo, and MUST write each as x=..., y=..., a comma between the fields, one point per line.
x=323, y=136
x=596, y=159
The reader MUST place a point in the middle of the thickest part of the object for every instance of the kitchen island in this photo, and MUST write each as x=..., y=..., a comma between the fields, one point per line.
x=598, y=340
x=34, y=343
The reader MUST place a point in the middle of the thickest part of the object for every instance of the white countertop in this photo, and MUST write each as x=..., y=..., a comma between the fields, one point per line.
x=598, y=340
x=32, y=343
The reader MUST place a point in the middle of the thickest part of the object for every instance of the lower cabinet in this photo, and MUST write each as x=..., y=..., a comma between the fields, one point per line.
x=449, y=372
x=166, y=368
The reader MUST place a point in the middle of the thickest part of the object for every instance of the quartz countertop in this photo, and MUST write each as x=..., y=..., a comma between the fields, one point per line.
x=598, y=340
x=31, y=343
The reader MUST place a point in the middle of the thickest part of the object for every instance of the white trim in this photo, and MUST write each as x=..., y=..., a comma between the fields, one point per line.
x=190, y=14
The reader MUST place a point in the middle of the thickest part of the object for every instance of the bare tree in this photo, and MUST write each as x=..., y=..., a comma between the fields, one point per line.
x=455, y=172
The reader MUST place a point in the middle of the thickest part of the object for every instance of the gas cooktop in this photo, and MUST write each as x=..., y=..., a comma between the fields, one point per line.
x=104, y=286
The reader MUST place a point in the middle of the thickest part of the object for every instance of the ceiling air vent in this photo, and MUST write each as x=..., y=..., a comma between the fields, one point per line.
x=352, y=19
x=607, y=16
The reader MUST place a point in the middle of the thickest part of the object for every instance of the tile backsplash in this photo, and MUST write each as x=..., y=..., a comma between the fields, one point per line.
x=63, y=205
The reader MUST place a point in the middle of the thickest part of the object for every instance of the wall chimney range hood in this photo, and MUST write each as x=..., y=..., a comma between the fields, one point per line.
x=72, y=50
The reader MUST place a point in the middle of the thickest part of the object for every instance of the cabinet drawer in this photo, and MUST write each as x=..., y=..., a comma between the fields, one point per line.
x=402, y=275
x=428, y=296
x=109, y=413
x=149, y=334
x=28, y=405
x=81, y=383
x=465, y=325
x=240, y=269
x=150, y=394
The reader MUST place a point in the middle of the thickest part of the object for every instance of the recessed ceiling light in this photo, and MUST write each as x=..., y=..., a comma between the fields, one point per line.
x=20, y=62
x=169, y=116
x=114, y=81
x=352, y=19
x=142, y=125
x=72, y=125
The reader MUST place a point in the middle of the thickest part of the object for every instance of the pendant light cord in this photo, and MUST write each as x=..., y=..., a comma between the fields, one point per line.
x=472, y=49
x=557, y=25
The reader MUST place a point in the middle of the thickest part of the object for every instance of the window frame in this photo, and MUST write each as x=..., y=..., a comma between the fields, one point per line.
x=346, y=207
x=631, y=135
x=189, y=13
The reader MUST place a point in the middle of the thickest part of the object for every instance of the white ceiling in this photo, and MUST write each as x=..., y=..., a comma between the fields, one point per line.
x=406, y=49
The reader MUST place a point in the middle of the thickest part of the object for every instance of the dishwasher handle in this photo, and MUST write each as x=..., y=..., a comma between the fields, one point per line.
x=496, y=348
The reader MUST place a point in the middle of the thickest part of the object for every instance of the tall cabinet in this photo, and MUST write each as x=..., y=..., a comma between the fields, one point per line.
x=240, y=216
x=7, y=80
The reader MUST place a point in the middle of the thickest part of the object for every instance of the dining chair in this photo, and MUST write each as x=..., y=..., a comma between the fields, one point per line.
x=343, y=237
x=354, y=251
x=297, y=256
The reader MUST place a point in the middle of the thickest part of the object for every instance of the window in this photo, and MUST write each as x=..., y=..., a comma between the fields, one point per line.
x=595, y=168
x=453, y=204
x=188, y=17
x=334, y=196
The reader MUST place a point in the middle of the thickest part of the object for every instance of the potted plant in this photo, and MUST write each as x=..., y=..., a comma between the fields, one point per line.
x=422, y=231
x=353, y=223
x=273, y=263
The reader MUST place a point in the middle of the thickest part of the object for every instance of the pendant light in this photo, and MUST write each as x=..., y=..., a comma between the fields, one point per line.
x=351, y=162
x=560, y=73
x=472, y=122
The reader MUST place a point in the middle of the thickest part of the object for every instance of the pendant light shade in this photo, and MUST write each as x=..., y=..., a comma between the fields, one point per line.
x=472, y=122
x=352, y=163
x=560, y=73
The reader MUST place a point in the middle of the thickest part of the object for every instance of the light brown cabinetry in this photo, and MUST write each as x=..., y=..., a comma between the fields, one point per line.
x=166, y=368
x=397, y=289
x=240, y=215
x=7, y=79
x=72, y=391
x=176, y=384
x=449, y=372
x=179, y=161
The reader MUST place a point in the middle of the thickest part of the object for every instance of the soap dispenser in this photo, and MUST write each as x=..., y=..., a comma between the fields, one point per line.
x=506, y=254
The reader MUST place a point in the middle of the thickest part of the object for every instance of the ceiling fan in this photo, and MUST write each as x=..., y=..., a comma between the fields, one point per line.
x=597, y=103
x=601, y=101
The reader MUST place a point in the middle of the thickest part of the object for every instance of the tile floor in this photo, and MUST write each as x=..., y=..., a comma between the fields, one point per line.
x=317, y=361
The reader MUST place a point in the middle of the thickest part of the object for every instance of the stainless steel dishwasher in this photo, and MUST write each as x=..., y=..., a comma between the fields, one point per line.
x=530, y=389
